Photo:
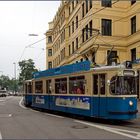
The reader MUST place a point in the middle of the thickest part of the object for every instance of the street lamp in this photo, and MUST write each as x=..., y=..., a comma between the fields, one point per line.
x=15, y=76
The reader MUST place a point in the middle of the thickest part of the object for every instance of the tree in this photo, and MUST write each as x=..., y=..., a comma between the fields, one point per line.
x=27, y=68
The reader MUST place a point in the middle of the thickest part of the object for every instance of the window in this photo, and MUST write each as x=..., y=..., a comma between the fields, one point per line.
x=83, y=10
x=133, y=25
x=72, y=26
x=49, y=52
x=111, y=57
x=95, y=84
x=61, y=86
x=69, y=50
x=76, y=43
x=28, y=87
x=73, y=5
x=102, y=83
x=39, y=87
x=76, y=22
x=133, y=54
x=90, y=26
x=106, y=27
x=49, y=39
x=90, y=4
x=49, y=65
x=83, y=35
x=69, y=10
x=133, y=1
x=73, y=47
x=86, y=6
x=69, y=30
x=48, y=87
x=86, y=32
x=123, y=85
x=106, y=3
x=77, y=85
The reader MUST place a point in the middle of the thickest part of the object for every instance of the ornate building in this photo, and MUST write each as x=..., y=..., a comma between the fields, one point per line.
x=105, y=32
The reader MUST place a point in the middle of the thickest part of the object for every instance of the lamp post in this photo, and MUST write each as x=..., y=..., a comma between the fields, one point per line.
x=15, y=77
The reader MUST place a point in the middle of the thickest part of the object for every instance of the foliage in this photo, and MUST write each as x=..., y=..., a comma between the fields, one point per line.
x=27, y=68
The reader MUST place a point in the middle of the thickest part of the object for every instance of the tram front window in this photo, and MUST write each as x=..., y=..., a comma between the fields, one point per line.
x=123, y=85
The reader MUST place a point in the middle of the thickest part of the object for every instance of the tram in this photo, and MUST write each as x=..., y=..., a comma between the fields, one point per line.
x=107, y=92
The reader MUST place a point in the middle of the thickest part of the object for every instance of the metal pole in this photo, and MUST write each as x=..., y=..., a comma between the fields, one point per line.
x=15, y=75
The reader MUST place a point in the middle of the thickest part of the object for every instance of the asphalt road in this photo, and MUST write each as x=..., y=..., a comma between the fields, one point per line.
x=18, y=122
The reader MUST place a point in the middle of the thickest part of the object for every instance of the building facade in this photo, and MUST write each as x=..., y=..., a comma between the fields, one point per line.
x=105, y=32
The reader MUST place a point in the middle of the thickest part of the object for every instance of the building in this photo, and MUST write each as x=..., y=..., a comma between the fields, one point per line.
x=105, y=32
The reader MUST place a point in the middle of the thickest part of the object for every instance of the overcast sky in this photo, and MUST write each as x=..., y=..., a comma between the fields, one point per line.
x=17, y=20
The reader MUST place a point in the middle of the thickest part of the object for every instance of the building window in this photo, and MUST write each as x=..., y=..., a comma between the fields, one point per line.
x=69, y=50
x=133, y=1
x=90, y=26
x=86, y=6
x=86, y=31
x=72, y=5
x=69, y=10
x=83, y=35
x=49, y=65
x=49, y=39
x=133, y=25
x=76, y=43
x=73, y=47
x=72, y=26
x=111, y=57
x=49, y=52
x=106, y=27
x=69, y=30
x=83, y=10
x=133, y=54
x=90, y=4
x=76, y=22
x=106, y=3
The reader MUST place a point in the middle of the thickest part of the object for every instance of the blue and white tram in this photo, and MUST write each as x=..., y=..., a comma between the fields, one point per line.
x=107, y=92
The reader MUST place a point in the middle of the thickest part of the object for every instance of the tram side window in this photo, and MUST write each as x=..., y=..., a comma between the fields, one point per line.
x=48, y=86
x=102, y=84
x=26, y=89
x=76, y=85
x=95, y=84
x=61, y=86
x=29, y=88
x=39, y=87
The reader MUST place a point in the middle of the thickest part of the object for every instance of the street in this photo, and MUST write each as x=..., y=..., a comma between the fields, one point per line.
x=19, y=122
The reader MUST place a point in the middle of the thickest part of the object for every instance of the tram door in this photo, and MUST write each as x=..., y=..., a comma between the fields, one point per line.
x=99, y=88
x=48, y=90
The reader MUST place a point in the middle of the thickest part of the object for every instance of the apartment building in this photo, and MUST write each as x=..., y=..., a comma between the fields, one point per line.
x=105, y=32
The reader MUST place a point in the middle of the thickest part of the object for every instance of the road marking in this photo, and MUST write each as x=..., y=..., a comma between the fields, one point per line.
x=21, y=104
x=113, y=130
x=52, y=115
x=5, y=115
x=2, y=100
x=0, y=136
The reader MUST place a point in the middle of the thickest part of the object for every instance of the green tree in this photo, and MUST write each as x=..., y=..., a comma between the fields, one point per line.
x=27, y=68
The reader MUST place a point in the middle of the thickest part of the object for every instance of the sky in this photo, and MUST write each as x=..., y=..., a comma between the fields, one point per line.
x=18, y=19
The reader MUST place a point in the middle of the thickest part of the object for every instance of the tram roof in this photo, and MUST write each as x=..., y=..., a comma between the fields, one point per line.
x=73, y=68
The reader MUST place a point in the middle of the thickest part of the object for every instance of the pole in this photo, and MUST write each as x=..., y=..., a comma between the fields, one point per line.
x=15, y=76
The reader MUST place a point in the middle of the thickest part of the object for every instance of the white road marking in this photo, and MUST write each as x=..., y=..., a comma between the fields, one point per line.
x=21, y=104
x=5, y=115
x=2, y=100
x=113, y=130
x=52, y=115
x=0, y=136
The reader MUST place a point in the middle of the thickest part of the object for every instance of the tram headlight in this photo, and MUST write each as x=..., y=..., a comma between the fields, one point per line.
x=130, y=103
